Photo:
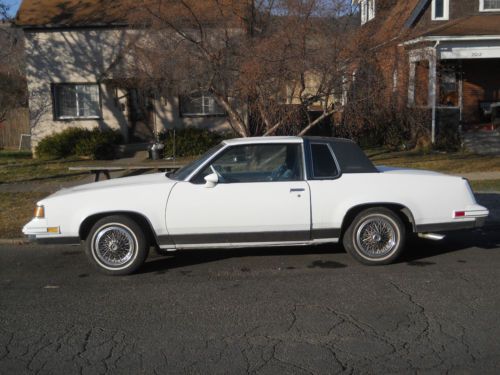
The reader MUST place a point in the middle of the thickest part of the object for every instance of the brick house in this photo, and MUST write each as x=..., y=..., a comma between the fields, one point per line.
x=73, y=51
x=442, y=55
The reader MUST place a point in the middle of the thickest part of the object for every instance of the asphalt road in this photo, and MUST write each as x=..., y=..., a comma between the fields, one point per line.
x=268, y=311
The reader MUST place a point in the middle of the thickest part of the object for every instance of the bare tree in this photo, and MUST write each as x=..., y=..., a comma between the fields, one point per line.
x=4, y=11
x=280, y=62
x=12, y=83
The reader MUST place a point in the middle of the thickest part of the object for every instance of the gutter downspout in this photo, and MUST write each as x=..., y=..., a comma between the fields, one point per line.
x=434, y=92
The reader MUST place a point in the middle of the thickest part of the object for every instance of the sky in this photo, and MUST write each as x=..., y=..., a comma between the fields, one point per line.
x=14, y=5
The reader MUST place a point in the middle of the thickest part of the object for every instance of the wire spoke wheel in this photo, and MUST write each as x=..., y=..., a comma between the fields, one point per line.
x=114, y=246
x=376, y=237
x=117, y=245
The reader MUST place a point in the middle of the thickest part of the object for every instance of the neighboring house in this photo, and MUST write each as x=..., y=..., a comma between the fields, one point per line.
x=443, y=55
x=73, y=53
x=14, y=120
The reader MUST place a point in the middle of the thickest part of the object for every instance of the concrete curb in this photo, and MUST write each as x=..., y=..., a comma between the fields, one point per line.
x=14, y=241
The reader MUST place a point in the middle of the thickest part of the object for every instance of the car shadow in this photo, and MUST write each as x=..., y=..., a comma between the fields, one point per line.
x=185, y=258
x=419, y=249
x=417, y=252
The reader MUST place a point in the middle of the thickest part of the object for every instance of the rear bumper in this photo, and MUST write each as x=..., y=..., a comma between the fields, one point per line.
x=451, y=226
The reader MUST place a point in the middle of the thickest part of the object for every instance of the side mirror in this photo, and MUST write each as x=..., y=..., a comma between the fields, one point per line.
x=211, y=180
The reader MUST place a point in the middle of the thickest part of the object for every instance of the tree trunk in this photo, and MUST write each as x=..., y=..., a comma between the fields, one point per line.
x=237, y=123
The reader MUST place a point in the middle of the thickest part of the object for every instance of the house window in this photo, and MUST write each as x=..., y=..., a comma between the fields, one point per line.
x=367, y=8
x=489, y=5
x=77, y=101
x=200, y=104
x=440, y=10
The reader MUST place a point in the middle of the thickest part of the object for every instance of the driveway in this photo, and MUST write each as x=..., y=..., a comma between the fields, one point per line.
x=269, y=311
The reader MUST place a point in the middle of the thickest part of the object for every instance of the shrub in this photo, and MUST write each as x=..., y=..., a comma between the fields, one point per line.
x=191, y=141
x=95, y=144
x=390, y=127
x=98, y=145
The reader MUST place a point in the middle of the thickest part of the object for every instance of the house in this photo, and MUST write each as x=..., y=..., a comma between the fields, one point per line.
x=74, y=50
x=443, y=56
x=14, y=121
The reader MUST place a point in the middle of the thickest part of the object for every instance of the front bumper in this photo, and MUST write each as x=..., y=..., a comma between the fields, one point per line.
x=37, y=231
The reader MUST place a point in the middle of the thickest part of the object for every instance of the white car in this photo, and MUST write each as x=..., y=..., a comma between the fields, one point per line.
x=272, y=191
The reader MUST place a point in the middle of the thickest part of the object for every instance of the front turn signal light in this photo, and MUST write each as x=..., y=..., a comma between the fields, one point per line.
x=39, y=212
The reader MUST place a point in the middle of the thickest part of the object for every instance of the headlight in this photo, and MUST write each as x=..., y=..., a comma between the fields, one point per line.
x=40, y=212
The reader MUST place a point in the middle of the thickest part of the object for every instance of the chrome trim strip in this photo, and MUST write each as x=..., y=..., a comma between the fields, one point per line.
x=248, y=237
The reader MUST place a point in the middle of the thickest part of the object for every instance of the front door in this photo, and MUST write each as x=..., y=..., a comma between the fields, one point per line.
x=141, y=113
x=261, y=197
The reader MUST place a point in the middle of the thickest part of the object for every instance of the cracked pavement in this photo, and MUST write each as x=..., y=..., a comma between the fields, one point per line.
x=310, y=310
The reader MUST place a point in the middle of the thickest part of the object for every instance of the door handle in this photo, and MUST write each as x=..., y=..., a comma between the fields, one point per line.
x=298, y=190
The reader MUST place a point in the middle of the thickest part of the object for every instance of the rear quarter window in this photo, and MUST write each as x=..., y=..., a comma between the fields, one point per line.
x=323, y=163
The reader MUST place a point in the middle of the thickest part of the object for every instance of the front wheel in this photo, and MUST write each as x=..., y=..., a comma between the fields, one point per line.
x=117, y=245
x=376, y=236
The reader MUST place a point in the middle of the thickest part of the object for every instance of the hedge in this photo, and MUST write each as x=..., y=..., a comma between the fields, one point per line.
x=94, y=144
x=191, y=141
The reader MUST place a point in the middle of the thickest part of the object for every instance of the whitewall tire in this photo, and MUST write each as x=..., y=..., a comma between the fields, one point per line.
x=376, y=236
x=117, y=245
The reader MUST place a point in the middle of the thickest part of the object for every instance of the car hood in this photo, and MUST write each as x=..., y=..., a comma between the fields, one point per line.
x=117, y=183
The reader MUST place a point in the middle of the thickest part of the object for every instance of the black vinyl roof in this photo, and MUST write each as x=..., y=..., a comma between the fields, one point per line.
x=349, y=155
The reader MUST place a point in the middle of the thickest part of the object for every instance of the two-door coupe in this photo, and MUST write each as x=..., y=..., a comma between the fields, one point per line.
x=272, y=191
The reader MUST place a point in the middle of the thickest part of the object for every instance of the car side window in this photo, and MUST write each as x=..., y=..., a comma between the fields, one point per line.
x=323, y=163
x=256, y=163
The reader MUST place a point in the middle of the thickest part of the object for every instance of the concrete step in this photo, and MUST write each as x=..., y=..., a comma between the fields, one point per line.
x=482, y=142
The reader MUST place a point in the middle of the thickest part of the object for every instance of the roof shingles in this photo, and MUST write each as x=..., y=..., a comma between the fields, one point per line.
x=71, y=13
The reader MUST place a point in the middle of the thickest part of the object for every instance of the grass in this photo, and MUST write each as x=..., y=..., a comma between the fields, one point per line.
x=30, y=170
x=26, y=170
x=8, y=157
x=486, y=185
x=16, y=209
x=440, y=162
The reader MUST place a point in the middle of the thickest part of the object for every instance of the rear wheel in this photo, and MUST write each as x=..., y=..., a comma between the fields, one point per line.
x=117, y=245
x=375, y=236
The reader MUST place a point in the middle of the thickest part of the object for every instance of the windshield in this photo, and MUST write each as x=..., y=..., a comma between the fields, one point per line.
x=185, y=171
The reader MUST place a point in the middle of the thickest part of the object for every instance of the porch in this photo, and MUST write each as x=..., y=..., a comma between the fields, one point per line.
x=459, y=81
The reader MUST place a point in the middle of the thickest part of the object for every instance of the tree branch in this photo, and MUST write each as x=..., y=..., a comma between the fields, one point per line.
x=316, y=122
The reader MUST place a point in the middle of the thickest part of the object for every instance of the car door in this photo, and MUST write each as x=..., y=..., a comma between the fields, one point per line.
x=261, y=197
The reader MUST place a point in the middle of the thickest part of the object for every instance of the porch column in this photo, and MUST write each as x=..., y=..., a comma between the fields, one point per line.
x=433, y=90
x=411, y=84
